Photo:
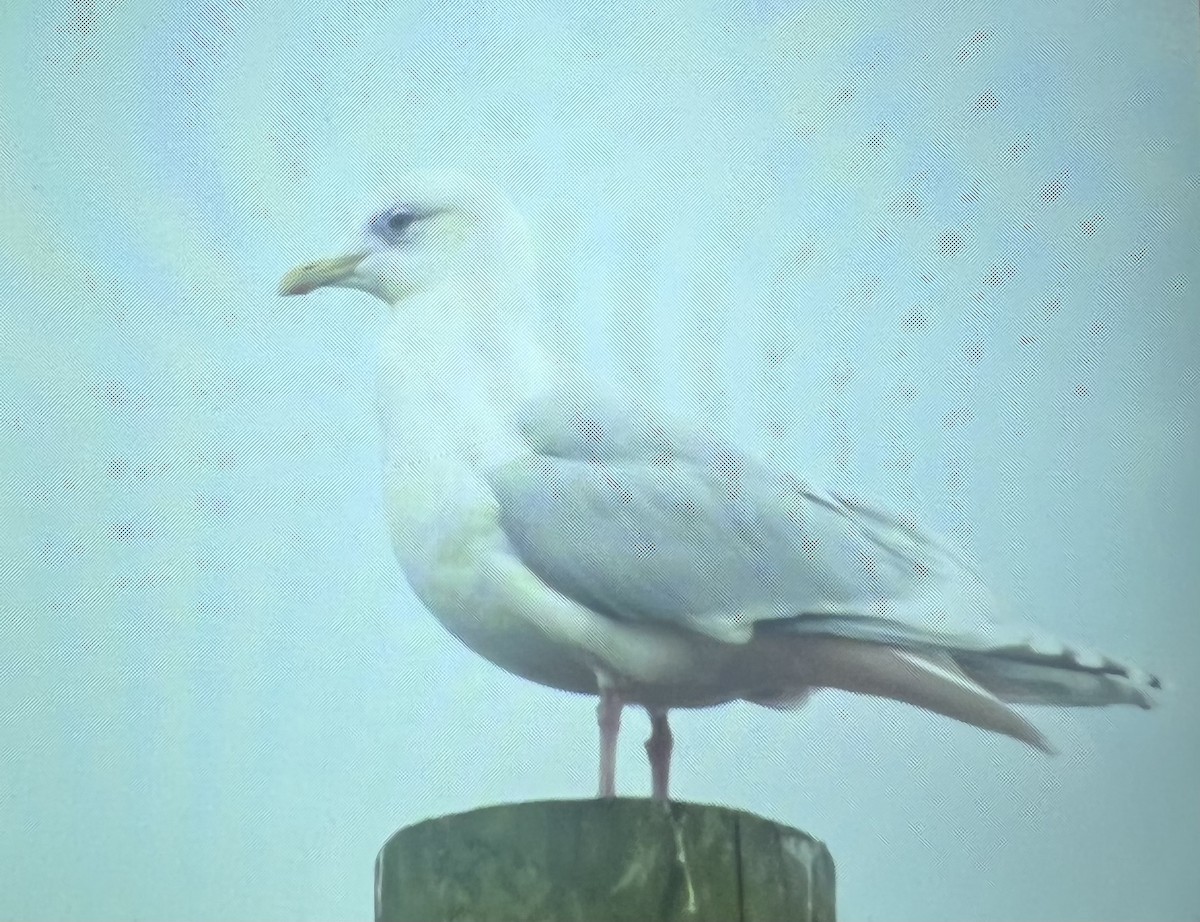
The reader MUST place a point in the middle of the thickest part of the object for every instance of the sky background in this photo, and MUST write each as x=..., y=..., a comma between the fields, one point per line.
x=946, y=254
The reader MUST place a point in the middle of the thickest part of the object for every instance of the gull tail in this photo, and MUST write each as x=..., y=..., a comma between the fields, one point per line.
x=972, y=677
x=970, y=670
x=929, y=680
x=1063, y=677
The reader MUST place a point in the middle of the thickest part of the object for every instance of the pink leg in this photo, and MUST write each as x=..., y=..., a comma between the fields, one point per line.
x=608, y=715
x=658, y=748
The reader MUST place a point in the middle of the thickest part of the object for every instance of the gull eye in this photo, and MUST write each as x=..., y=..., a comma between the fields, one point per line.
x=400, y=221
x=392, y=224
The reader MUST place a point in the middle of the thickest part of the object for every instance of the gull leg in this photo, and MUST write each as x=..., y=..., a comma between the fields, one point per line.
x=608, y=715
x=658, y=748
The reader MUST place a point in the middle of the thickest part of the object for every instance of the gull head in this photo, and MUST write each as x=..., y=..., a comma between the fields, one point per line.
x=435, y=229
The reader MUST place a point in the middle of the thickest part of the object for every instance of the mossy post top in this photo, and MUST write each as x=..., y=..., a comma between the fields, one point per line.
x=619, y=860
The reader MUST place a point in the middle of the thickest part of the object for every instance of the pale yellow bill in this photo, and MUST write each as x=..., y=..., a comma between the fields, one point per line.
x=320, y=273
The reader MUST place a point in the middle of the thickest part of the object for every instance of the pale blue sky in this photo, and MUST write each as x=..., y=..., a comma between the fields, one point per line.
x=221, y=697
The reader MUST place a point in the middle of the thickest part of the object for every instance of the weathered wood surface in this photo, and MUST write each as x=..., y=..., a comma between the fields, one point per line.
x=603, y=861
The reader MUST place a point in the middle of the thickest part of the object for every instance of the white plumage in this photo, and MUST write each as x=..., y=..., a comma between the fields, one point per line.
x=593, y=544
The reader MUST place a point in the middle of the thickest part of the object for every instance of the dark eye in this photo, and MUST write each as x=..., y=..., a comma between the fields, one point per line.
x=392, y=226
x=400, y=220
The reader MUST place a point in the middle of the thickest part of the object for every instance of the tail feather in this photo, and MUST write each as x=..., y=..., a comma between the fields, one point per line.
x=936, y=643
x=1053, y=681
x=1016, y=666
x=932, y=681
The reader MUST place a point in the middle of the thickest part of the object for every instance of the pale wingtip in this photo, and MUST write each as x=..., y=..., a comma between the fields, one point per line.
x=1042, y=744
x=1035, y=738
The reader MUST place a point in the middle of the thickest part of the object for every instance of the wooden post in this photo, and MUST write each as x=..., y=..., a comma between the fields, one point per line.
x=603, y=861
